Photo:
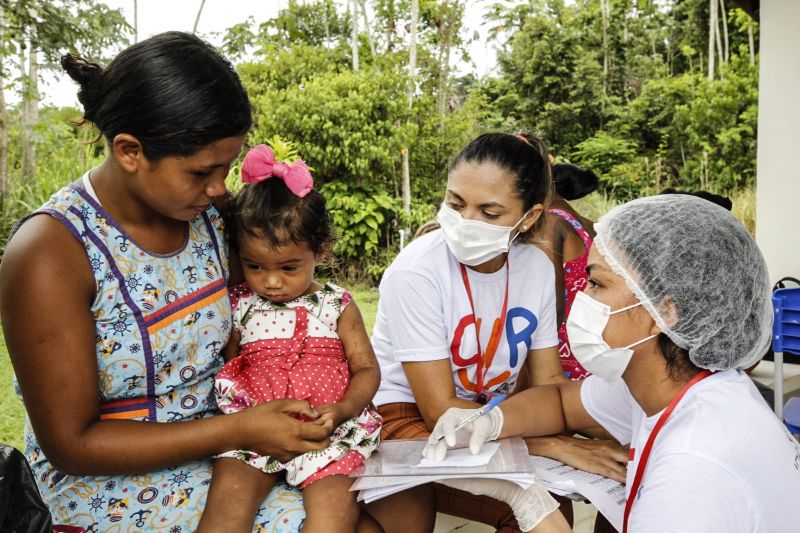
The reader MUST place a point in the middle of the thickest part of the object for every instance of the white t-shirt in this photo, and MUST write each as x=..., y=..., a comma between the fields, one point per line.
x=721, y=463
x=424, y=315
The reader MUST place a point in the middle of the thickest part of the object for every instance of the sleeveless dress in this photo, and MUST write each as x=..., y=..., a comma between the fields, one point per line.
x=574, y=281
x=161, y=321
x=292, y=350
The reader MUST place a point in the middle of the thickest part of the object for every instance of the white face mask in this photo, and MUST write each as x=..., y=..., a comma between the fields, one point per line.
x=474, y=242
x=585, y=324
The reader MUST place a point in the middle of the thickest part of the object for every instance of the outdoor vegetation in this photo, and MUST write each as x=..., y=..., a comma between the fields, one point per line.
x=373, y=94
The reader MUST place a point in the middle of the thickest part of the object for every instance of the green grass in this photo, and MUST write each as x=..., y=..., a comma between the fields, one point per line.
x=11, y=409
x=12, y=412
x=367, y=300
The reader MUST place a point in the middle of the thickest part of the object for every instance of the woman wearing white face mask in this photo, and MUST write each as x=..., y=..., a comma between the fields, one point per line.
x=678, y=301
x=463, y=311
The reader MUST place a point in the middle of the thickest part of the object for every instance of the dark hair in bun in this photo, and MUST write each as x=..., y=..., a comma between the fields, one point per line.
x=173, y=92
x=573, y=182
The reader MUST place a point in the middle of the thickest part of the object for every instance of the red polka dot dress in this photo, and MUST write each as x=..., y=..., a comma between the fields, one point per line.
x=292, y=350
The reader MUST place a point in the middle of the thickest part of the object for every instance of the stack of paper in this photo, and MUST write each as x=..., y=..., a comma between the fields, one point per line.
x=398, y=465
x=604, y=493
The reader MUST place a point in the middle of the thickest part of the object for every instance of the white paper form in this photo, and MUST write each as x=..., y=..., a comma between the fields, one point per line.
x=604, y=493
x=393, y=467
x=463, y=457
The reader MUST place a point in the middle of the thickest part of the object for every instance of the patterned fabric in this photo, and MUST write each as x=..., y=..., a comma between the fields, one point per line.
x=574, y=281
x=279, y=358
x=161, y=321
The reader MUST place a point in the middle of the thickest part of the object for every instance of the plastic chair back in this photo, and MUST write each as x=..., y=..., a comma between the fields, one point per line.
x=786, y=328
x=785, y=335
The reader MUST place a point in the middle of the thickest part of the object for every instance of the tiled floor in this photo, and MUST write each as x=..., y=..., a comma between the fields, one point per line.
x=584, y=522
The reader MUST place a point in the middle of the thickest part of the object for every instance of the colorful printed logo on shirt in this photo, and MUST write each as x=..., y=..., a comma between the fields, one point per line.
x=520, y=325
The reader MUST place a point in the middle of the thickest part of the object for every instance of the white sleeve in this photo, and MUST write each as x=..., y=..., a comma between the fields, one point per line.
x=611, y=405
x=413, y=308
x=546, y=334
x=686, y=493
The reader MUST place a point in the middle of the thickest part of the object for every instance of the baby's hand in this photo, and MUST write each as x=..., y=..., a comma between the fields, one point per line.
x=331, y=411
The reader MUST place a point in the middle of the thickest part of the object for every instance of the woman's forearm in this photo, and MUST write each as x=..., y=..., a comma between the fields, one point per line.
x=120, y=447
x=534, y=412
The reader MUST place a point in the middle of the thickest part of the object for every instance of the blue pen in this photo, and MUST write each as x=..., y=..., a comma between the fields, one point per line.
x=494, y=402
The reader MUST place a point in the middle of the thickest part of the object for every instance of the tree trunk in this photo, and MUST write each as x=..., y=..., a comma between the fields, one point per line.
x=197, y=18
x=3, y=126
x=447, y=28
x=135, y=21
x=354, y=32
x=412, y=85
x=370, y=40
x=712, y=30
x=724, y=15
x=720, y=55
x=406, y=172
x=325, y=23
x=412, y=52
x=751, y=44
x=391, y=25
x=30, y=112
x=605, y=9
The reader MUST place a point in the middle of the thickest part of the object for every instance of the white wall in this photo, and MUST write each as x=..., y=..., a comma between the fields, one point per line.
x=778, y=166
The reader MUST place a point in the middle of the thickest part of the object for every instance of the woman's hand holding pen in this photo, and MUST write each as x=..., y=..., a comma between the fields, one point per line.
x=448, y=432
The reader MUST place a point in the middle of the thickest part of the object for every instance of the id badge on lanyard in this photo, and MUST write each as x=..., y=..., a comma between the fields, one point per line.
x=483, y=395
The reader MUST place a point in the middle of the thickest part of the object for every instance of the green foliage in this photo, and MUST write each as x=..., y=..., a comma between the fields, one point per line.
x=348, y=125
x=636, y=106
x=284, y=150
x=11, y=423
x=639, y=110
x=361, y=214
x=551, y=65
x=64, y=153
x=54, y=27
x=603, y=151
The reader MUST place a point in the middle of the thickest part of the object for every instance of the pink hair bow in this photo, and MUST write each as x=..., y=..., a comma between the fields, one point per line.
x=259, y=165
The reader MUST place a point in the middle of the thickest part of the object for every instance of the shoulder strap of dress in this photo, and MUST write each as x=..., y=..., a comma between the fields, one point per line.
x=576, y=225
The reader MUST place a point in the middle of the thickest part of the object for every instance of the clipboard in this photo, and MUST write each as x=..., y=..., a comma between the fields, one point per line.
x=392, y=468
x=398, y=458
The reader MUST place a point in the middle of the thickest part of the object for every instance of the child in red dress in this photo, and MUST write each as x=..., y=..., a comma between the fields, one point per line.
x=292, y=338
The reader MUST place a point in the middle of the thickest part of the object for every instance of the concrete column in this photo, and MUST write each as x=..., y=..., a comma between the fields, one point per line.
x=778, y=165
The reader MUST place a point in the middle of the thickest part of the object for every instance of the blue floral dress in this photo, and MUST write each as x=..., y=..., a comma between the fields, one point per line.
x=161, y=321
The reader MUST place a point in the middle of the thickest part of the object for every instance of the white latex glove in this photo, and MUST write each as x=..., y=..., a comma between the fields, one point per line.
x=530, y=506
x=475, y=434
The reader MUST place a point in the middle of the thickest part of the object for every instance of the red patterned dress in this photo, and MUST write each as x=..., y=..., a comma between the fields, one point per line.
x=574, y=281
x=292, y=350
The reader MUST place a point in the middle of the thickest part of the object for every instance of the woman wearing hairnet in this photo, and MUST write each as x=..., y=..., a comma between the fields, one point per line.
x=678, y=301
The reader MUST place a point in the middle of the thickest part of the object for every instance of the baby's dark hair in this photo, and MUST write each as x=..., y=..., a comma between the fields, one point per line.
x=269, y=210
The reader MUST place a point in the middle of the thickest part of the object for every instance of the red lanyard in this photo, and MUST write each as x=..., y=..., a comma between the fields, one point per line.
x=637, y=479
x=496, y=329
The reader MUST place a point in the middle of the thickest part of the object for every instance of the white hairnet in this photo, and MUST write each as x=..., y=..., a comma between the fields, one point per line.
x=697, y=272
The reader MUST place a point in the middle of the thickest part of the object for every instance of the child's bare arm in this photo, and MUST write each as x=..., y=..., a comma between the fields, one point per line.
x=364, y=369
x=231, y=349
